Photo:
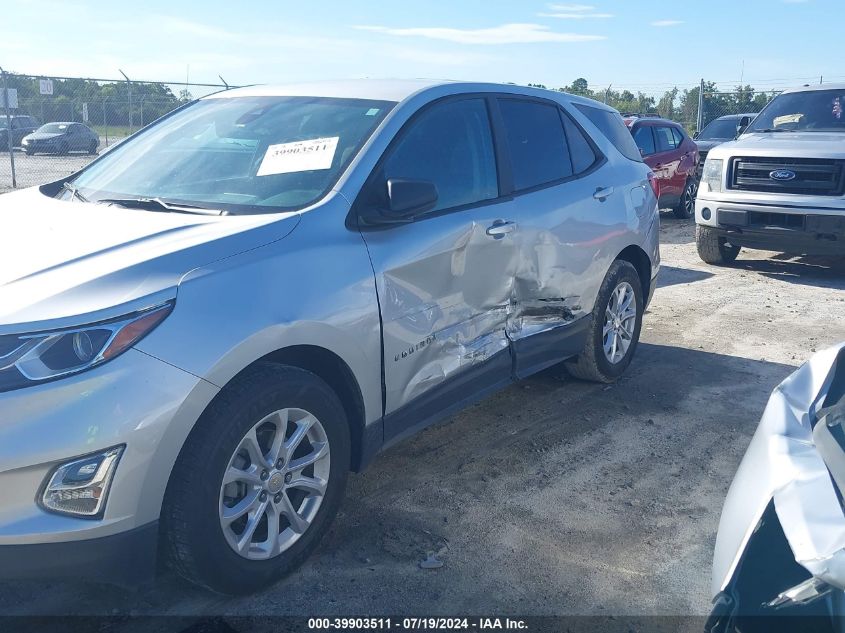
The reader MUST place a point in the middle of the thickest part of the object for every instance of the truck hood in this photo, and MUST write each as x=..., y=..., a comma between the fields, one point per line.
x=67, y=263
x=784, y=144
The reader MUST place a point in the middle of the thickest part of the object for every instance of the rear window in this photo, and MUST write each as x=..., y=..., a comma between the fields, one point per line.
x=537, y=143
x=611, y=125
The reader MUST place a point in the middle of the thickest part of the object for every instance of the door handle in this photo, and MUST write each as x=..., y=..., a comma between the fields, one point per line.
x=500, y=228
x=603, y=193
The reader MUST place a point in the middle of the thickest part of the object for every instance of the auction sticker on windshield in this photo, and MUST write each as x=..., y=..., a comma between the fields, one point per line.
x=309, y=155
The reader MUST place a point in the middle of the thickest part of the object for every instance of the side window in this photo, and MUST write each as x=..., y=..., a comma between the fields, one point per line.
x=582, y=153
x=664, y=139
x=679, y=136
x=536, y=141
x=610, y=123
x=451, y=145
x=644, y=139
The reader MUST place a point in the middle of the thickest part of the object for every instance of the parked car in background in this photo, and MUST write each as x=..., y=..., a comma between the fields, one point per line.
x=780, y=186
x=61, y=138
x=22, y=124
x=718, y=131
x=779, y=550
x=672, y=156
x=266, y=288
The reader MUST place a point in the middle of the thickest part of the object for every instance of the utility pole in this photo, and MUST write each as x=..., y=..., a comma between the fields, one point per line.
x=699, y=123
x=9, y=128
x=129, y=92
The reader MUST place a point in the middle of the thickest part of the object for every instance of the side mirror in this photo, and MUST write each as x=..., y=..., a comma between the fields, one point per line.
x=407, y=198
x=744, y=122
x=401, y=200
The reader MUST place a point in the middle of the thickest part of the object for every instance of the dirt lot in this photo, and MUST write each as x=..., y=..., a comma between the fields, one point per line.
x=556, y=496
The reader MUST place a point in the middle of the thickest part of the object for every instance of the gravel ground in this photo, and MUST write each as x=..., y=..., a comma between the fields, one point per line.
x=556, y=496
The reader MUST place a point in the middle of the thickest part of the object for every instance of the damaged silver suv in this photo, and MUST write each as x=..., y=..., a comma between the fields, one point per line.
x=781, y=185
x=207, y=328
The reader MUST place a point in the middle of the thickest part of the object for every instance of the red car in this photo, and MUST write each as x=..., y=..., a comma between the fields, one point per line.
x=672, y=156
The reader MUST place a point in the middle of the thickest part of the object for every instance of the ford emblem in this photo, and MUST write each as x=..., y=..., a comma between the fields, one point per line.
x=782, y=174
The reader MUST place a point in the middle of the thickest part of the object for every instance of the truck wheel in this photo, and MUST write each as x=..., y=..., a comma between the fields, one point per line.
x=712, y=248
x=258, y=480
x=615, y=328
x=686, y=205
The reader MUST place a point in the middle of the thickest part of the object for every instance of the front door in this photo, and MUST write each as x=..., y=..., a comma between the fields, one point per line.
x=445, y=280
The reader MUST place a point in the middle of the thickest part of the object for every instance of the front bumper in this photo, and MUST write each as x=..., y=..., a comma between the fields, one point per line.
x=135, y=400
x=800, y=230
x=127, y=559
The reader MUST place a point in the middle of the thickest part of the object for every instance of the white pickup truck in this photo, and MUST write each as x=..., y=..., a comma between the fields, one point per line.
x=780, y=185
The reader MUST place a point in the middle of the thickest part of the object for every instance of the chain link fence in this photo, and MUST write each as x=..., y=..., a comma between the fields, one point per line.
x=85, y=117
x=57, y=125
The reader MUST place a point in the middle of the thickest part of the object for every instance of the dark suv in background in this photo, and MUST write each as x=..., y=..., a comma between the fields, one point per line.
x=719, y=131
x=672, y=156
x=22, y=124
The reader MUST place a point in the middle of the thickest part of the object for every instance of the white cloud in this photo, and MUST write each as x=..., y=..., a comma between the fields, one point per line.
x=570, y=7
x=504, y=34
x=667, y=22
x=575, y=16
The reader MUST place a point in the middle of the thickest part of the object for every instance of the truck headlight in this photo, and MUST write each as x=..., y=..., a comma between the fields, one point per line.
x=29, y=359
x=81, y=487
x=711, y=175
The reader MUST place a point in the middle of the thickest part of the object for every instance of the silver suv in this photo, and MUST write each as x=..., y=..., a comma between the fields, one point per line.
x=781, y=185
x=207, y=328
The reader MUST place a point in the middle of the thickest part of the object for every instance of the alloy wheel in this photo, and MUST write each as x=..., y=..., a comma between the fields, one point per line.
x=274, y=484
x=620, y=320
x=690, y=192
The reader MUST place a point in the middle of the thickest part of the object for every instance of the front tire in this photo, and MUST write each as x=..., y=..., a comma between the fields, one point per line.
x=713, y=249
x=615, y=328
x=686, y=205
x=258, y=481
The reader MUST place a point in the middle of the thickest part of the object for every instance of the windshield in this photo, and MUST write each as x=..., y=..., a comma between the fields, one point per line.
x=809, y=111
x=238, y=154
x=55, y=128
x=719, y=129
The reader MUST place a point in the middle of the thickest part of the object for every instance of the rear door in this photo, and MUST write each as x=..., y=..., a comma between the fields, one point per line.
x=668, y=159
x=445, y=280
x=565, y=200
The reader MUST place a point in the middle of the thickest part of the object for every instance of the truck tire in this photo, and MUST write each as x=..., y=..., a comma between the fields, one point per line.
x=258, y=481
x=712, y=248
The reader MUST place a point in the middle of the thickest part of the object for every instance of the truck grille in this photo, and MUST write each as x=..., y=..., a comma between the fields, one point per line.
x=813, y=176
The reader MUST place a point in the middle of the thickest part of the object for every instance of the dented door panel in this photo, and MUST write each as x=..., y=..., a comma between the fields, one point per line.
x=446, y=289
x=568, y=239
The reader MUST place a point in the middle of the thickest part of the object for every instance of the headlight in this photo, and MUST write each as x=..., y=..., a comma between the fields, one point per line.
x=28, y=359
x=711, y=175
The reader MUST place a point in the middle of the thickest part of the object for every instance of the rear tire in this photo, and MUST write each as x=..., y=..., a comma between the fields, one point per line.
x=197, y=526
x=686, y=205
x=712, y=248
x=593, y=363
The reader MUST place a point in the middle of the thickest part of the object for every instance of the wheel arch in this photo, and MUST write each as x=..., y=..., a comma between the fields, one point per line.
x=339, y=376
x=639, y=259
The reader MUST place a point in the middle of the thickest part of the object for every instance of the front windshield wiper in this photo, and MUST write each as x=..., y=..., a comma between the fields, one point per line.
x=159, y=204
x=74, y=192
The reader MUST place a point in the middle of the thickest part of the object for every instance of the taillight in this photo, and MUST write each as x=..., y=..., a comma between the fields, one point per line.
x=655, y=185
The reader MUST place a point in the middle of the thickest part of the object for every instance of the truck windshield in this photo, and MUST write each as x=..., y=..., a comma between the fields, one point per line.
x=719, y=129
x=808, y=111
x=251, y=154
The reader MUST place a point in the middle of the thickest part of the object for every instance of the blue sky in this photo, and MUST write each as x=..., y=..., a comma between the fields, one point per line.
x=646, y=45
